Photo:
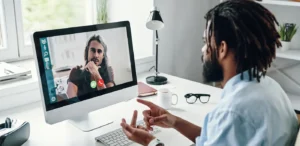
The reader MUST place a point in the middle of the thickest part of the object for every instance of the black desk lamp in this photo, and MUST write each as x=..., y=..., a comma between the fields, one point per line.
x=155, y=23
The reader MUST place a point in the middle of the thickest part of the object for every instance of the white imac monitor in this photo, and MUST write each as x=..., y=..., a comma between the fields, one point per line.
x=83, y=69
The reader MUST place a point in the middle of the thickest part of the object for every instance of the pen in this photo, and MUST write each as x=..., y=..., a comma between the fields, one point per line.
x=8, y=71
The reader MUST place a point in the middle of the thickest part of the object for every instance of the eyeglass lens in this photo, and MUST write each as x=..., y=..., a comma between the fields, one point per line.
x=204, y=99
x=191, y=99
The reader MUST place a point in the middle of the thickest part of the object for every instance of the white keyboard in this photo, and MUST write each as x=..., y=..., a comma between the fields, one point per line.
x=118, y=138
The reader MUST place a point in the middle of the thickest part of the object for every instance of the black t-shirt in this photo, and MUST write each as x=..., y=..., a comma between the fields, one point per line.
x=82, y=79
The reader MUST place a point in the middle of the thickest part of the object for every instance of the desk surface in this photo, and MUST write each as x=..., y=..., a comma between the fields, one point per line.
x=64, y=134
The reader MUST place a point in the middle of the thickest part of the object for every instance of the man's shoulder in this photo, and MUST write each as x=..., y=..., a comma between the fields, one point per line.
x=250, y=92
x=76, y=75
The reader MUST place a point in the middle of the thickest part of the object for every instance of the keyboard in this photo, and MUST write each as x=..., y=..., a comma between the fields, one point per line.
x=118, y=138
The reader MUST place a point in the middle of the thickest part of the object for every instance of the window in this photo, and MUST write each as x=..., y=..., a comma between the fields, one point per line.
x=20, y=18
x=2, y=30
x=37, y=15
x=8, y=35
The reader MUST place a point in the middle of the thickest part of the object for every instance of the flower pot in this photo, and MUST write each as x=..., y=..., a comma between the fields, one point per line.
x=285, y=45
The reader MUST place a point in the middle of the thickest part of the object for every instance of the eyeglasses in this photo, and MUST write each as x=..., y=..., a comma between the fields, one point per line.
x=192, y=98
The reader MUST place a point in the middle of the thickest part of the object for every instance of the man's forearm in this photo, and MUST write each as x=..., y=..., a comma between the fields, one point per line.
x=189, y=130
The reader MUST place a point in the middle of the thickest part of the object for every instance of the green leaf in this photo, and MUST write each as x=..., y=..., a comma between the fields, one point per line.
x=102, y=11
x=281, y=32
x=294, y=32
x=287, y=31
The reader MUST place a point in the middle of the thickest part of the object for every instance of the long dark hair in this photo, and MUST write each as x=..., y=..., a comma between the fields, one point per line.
x=250, y=32
x=105, y=68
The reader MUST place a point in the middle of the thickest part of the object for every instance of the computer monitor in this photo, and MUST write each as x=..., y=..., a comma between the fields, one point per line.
x=83, y=69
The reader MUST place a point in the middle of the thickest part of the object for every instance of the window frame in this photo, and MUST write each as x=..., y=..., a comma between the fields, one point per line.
x=26, y=50
x=10, y=50
x=12, y=12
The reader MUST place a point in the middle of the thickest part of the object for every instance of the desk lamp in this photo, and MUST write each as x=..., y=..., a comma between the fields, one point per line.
x=155, y=23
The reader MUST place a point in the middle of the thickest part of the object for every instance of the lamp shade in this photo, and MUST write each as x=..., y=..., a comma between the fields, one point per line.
x=155, y=21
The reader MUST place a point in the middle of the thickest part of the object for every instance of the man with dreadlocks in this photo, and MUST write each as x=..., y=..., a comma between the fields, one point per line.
x=240, y=45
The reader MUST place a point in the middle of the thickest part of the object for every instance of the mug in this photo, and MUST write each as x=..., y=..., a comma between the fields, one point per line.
x=164, y=98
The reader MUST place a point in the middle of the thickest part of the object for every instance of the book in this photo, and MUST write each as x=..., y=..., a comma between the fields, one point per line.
x=145, y=90
x=10, y=72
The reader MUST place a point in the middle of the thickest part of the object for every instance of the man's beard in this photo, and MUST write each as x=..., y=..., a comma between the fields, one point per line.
x=212, y=70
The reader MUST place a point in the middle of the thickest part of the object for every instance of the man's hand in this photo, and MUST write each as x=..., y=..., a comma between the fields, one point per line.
x=161, y=117
x=157, y=116
x=93, y=69
x=135, y=133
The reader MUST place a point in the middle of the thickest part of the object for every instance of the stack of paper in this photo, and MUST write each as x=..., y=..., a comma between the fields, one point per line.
x=10, y=72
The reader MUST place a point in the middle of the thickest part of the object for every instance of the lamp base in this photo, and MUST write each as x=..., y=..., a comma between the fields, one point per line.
x=156, y=80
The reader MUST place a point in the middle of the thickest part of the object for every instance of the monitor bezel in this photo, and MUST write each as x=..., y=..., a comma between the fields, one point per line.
x=65, y=31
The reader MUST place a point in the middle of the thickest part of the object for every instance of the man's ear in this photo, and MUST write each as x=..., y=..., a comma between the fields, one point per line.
x=223, y=50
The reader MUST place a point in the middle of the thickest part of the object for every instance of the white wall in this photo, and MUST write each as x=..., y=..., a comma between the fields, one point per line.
x=137, y=13
x=68, y=50
x=181, y=38
x=287, y=14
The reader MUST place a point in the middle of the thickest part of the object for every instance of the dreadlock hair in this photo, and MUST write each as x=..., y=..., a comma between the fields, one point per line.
x=250, y=33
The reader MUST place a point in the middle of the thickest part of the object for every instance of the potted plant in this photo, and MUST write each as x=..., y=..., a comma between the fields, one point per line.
x=102, y=11
x=287, y=32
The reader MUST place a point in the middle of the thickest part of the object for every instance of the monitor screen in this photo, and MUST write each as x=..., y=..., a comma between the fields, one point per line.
x=77, y=64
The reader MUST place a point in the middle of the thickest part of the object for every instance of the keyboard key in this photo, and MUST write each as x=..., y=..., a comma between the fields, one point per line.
x=118, y=138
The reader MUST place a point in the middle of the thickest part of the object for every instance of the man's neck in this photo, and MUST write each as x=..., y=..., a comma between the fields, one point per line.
x=228, y=73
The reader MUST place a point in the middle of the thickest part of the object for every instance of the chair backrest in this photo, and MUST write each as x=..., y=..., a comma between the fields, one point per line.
x=297, y=143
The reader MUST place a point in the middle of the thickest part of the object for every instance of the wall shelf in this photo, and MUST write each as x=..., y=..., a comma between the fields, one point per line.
x=289, y=54
x=280, y=3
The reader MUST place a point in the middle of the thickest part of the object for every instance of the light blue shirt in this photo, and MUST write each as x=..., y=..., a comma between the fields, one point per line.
x=250, y=113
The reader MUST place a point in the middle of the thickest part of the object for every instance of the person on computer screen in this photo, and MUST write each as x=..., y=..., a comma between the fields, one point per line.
x=240, y=45
x=96, y=70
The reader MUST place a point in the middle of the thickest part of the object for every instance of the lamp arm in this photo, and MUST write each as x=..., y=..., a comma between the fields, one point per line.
x=156, y=43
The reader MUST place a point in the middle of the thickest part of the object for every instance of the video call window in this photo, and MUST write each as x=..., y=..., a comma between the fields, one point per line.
x=81, y=63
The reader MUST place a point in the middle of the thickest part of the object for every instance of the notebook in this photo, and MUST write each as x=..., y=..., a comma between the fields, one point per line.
x=10, y=72
x=145, y=90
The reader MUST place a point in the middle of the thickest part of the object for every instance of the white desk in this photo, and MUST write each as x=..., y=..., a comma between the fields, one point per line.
x=64, y=134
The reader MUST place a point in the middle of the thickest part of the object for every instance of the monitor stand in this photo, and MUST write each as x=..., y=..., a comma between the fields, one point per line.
x=89, y=123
